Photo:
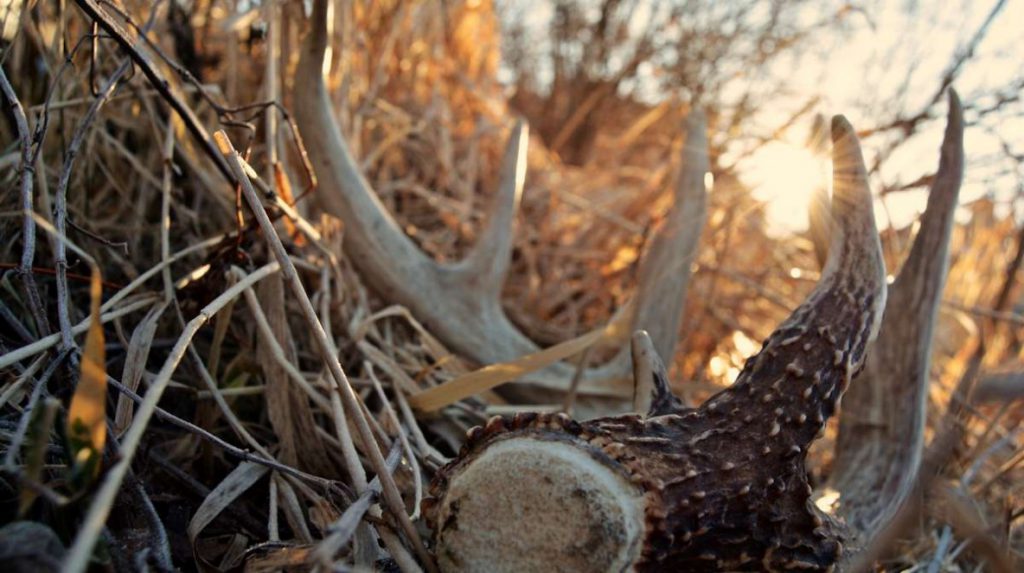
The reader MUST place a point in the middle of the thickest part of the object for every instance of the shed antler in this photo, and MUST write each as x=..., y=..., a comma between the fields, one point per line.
x=881, y=431
x=461, y=302
x=720, y=487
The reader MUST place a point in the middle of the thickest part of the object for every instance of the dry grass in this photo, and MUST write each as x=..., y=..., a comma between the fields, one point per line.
x=251, y=458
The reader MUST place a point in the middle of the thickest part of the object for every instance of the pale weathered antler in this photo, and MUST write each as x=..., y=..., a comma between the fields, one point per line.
x=460, y=303
x=651, y=393
x=720, y=487
x=881, y=431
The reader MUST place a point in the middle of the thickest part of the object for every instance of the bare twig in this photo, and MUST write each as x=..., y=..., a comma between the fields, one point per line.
x=909, y=125
x=28, y=224
x=60, y=215
x=234, y=451
x=61, y=209
x=156, y=79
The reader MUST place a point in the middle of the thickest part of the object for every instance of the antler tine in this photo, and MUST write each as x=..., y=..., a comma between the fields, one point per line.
x=372, y=234
x=651, y=394
x=488, y=262
x=882, y=427
x=664, y=274
x=855, y=242
x=806, y=364
x=461, y=302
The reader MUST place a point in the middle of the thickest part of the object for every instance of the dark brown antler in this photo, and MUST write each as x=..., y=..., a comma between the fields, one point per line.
x=460, y=303
x=721, y=487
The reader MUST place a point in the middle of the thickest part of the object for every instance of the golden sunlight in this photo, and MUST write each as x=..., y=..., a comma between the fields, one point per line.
x=826, y=500
x=786, y=177
x=726, y=367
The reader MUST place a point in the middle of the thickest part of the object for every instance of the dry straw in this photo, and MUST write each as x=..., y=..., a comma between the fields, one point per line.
x=194, y=352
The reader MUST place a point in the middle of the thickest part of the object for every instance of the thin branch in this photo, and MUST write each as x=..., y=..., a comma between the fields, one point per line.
x=231, y=450
x=910, y=125
x=61, y=208
x=28, y=236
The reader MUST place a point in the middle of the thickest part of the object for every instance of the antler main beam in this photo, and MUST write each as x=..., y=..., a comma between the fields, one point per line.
x=720, y=487
x=460, y=303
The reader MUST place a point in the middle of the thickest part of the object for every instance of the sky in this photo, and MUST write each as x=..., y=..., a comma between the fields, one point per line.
x=857, y=72
x=856, y=75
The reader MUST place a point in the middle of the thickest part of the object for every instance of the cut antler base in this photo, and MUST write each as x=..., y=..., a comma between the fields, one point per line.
x=627, y=493
x=588, y=515
x=716, y=488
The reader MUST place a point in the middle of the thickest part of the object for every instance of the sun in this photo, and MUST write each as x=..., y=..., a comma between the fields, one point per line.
x=786, y=177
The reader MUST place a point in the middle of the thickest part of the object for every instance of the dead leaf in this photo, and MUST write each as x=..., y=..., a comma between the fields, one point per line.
x=235, y=484
x=37, y=439
x=87, y=416
x=496, y=374
x=135, y=365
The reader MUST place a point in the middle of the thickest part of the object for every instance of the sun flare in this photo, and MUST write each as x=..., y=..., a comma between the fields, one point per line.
x=786, y=177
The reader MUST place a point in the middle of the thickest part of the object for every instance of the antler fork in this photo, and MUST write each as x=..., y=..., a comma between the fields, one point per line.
x=460, y=303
